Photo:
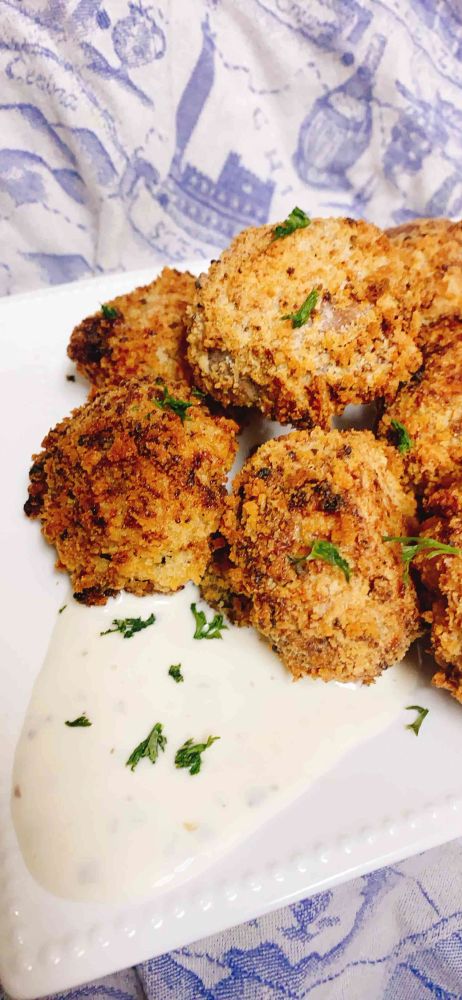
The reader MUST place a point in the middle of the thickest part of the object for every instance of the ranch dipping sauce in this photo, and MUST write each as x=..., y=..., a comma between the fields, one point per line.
x=89, y=827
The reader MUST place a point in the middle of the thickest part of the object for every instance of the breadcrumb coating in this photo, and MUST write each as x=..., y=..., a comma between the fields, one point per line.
x=340, y=487
x=146, y=336
x=442, y=576
x=430, y=409
x=354, y=346
x=432, y=249
x=129, y=492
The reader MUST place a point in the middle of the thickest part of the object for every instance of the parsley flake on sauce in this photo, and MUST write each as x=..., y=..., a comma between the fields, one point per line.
x=63, y=608
x=109, y=312
x=421, y=715
x=81, y=721
x=129, y=626
x=328, y=553
x=401, y=437
x=205, y=629
x=175, y=672
x=150, y=747
x=303, y=314
x=169, y=402
x=190, y=754
x=298, y=219
x=414, y=546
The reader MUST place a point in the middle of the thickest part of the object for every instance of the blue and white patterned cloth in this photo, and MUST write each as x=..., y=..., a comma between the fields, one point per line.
x=132, y=132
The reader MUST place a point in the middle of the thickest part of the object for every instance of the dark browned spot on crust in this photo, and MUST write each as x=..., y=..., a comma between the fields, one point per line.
x=101, y=440
x=93, y=595
x=91, y=346
x=330, y=502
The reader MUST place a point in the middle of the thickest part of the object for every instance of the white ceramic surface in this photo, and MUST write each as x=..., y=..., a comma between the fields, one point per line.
x=386, y=800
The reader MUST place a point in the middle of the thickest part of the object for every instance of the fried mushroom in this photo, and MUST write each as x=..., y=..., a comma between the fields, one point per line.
x=301, y=326
x=425, y=420
x=129, y=488
x=141, y=333
x=300, y=554
x=432, y=250
x=441, y=574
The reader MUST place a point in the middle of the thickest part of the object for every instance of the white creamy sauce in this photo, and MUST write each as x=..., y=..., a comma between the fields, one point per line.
x=89, y=828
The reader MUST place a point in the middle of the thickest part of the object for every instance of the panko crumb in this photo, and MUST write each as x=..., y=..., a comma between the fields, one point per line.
x=442, y=577
x=354, y=347
x=341, y=487
x=143, y=334
x=429, y=407
x=432, y=250
x=129, y=491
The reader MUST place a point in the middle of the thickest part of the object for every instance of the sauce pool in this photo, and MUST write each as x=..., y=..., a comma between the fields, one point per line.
x=91, y=829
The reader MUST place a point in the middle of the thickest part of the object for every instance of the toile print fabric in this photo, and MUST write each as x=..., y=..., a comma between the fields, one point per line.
x=134, y=133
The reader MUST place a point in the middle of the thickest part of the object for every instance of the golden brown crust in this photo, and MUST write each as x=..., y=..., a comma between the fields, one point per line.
x=432, y=250
x=442, y=576
x=354, y=347
x=128, y=493
x=341, y=487
x=430, y=408
x=146, y=337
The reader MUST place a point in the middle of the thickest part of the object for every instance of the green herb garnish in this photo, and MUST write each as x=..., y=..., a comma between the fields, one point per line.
x=62, y=609
x=175, y=672
x=80, y=721
x=129, y=626
x=149, y=747
x=326, y=551
x=421, y=714
x=109, y=312
x=198, y=393
x=413, y=546
x=189, y=755
x=169, y=402
x=402, y=439
x=297, y=219
x=205, y=629
x=301, y=317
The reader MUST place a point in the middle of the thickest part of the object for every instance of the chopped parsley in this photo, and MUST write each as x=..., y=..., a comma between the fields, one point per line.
x=177, y=406
x=129, y=626
x=175, y=672
x=109, y=312
x=326, y=551
x=421, y=715
x=303, y=314
x=198, y=393
x=62, y=609
x=149, y=747
x=414, y=546
x=297, y=219
x=189, y=755
x=80, y=721
x=401, y=438
x=205, y=629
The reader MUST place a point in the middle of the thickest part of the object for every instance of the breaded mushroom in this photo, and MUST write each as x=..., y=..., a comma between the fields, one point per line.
x=441, y=573
x=130, y=487
x=432, y=250
x=300, y=554
x=300, y=326
x=142, y=333
x=425, y=420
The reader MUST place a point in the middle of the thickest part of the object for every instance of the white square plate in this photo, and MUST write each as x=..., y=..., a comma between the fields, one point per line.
x=387, y=799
